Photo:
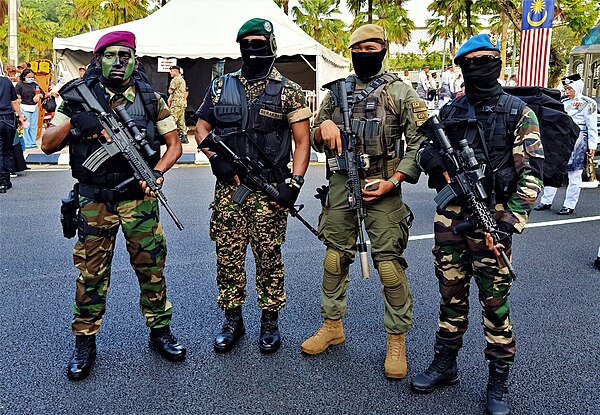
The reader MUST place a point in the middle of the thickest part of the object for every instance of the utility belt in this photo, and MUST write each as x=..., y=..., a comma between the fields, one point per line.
x=103, y=194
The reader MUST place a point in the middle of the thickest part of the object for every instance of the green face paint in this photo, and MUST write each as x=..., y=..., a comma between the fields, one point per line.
x=118, y=63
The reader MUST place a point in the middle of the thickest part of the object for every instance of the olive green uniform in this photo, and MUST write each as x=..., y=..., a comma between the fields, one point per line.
x=387, y=218
x=177, y=89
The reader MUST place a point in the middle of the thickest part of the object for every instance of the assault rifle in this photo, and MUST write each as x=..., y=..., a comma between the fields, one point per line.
x=352, y=161
x=250, y=172
x=466, y=180
x=126, y=139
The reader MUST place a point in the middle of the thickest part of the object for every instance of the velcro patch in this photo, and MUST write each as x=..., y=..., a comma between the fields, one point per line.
x=270, y=114
x=418, y=106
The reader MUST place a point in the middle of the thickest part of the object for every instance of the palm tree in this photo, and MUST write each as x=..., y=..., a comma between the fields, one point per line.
x=313, y=17
x=391, y=16
x=284, y=4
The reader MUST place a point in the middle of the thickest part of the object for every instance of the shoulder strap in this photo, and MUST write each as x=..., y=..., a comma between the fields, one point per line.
x=373, y=85
x=148, y=98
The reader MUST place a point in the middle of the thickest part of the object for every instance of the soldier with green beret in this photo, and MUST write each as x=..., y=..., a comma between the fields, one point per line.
x=391, y=112
x=255, y=111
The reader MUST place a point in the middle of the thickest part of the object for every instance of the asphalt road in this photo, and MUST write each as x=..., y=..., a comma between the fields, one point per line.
x=554, y=308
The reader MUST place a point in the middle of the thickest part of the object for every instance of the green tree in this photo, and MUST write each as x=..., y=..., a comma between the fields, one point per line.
x=391, y=16
x=313, y=17
x=284, y=4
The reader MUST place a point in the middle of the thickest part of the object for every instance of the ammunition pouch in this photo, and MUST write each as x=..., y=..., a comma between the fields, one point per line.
x=69, y=211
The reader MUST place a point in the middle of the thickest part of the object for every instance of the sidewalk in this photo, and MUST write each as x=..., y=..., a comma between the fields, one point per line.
x=189, y=156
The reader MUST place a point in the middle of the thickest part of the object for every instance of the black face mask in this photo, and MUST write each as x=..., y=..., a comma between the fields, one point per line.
x=481, y=80
x=367, y=64
x=258, y=60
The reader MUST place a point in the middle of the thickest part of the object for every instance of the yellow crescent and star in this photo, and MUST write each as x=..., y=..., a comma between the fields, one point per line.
x=537, y=7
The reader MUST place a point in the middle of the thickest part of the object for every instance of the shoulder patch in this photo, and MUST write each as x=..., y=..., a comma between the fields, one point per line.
x=420, y=112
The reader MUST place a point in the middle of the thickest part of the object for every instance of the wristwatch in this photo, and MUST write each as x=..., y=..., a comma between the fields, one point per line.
x=297, y=181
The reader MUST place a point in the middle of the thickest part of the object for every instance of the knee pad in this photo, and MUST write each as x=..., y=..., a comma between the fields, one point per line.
x=395, y=284
x=336, y=265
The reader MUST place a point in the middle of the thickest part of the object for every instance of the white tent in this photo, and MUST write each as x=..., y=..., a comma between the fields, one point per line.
x=200, y=32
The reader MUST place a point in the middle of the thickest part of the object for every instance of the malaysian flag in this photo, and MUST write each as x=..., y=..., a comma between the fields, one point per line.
x=536, y=34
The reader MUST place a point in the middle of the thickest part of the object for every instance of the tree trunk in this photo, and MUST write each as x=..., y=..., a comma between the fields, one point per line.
x=370, y=10
x=504, y=42
x=286, y=7
x=468, y=4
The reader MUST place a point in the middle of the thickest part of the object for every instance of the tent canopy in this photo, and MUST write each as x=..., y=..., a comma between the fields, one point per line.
x=206, y=29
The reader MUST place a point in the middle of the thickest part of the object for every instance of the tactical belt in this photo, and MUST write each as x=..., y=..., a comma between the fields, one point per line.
x=84, y=229
x=102, y=194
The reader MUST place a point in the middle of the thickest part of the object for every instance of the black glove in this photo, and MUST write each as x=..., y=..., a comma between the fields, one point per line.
x=505, y=238
x=86, y=124
x=221, y=168
x=288, y=195
x=430, y=160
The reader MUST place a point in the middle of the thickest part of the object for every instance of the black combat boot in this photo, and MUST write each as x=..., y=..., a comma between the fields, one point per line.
x=83, y=357
x=4, y=180
x=233, y=329
x=270, y=340
x=163, y=342
x=497, y=390
x=441, y=371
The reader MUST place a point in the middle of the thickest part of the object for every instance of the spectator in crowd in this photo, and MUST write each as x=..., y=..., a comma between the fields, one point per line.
x=423, y=83
x=81, y=71
x=30, y=93
x=406, y=78
x=513, y=81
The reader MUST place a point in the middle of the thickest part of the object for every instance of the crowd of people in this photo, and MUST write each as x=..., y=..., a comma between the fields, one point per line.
x=264, y=117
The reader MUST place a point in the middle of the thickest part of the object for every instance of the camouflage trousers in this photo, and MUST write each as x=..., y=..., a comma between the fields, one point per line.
x=456, y=259
x=233, y=227
x=178, y=113
x=92, y=255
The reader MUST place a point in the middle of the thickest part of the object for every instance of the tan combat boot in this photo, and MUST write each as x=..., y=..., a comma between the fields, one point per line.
x=330, y=333
x=395, y=358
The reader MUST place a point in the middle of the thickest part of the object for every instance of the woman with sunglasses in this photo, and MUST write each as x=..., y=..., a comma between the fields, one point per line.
x=503, y=136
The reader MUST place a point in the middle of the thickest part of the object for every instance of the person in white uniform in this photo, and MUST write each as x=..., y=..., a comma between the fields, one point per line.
x=583, y=110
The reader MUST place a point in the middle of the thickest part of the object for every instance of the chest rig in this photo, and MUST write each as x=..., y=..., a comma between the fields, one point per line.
x=375, y=122
x=257, y=129
x=489, y=130
x=116, y=169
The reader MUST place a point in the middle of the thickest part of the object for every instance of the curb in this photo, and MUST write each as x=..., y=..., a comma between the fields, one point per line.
x=62, y=159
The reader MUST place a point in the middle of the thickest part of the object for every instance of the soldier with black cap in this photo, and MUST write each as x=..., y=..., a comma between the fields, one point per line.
x=583, y=110
x=177, y=101
x=504, y=135
x=257, y=112
x=391, y=111
x=109, y=200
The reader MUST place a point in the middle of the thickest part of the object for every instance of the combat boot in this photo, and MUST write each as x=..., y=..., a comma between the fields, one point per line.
x=330, y=333
x=233, y=329
x=441, y=371
x=395, y=357
x=497, y=402
x=163, y=342
x=270, y=339
x=83, y=357
x=4, y=180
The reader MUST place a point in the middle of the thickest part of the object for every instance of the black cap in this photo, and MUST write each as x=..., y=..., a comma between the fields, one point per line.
x=571, y=78
x=176, y=67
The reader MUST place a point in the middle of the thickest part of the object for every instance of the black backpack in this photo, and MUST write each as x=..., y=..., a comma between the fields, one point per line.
x=558, y=131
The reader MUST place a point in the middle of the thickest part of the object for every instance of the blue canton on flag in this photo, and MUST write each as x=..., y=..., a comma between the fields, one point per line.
x=537, y=14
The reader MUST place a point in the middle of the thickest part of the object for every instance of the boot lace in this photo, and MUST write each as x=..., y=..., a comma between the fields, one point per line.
x=84, y=348
x=497, y=386
x=441, y=362
x=164, y=336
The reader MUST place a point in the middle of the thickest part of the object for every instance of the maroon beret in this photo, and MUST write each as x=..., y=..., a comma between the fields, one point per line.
x=122, y=38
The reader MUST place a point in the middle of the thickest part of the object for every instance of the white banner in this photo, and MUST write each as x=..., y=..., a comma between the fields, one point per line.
x=164, y=64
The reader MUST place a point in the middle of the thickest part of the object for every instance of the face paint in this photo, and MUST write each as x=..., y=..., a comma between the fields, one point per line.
x=118, y=63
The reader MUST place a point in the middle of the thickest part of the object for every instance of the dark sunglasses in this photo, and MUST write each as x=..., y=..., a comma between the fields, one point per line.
x=478, y=60
x=253, y=43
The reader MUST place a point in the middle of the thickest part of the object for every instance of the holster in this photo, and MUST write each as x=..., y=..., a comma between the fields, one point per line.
x=69, y=210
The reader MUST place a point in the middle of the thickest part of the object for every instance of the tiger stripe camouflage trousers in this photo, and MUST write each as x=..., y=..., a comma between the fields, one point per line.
x=456, y=259
x=258, y=223
x=92, y=255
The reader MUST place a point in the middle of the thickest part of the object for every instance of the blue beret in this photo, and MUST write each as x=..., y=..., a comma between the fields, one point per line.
x=477, y=42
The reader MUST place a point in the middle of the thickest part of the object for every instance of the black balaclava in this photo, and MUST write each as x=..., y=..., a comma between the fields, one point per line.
x=481, y=81
x=257, y=62
x=367, y=64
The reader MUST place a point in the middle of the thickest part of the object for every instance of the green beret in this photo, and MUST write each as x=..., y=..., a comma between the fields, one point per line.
x=255, y=27
x=371, y=32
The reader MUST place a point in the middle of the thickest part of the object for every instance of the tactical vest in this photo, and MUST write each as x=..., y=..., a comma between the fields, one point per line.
x=489, y=130
x=375, y=123
x=116, y=169
x=258, y=129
